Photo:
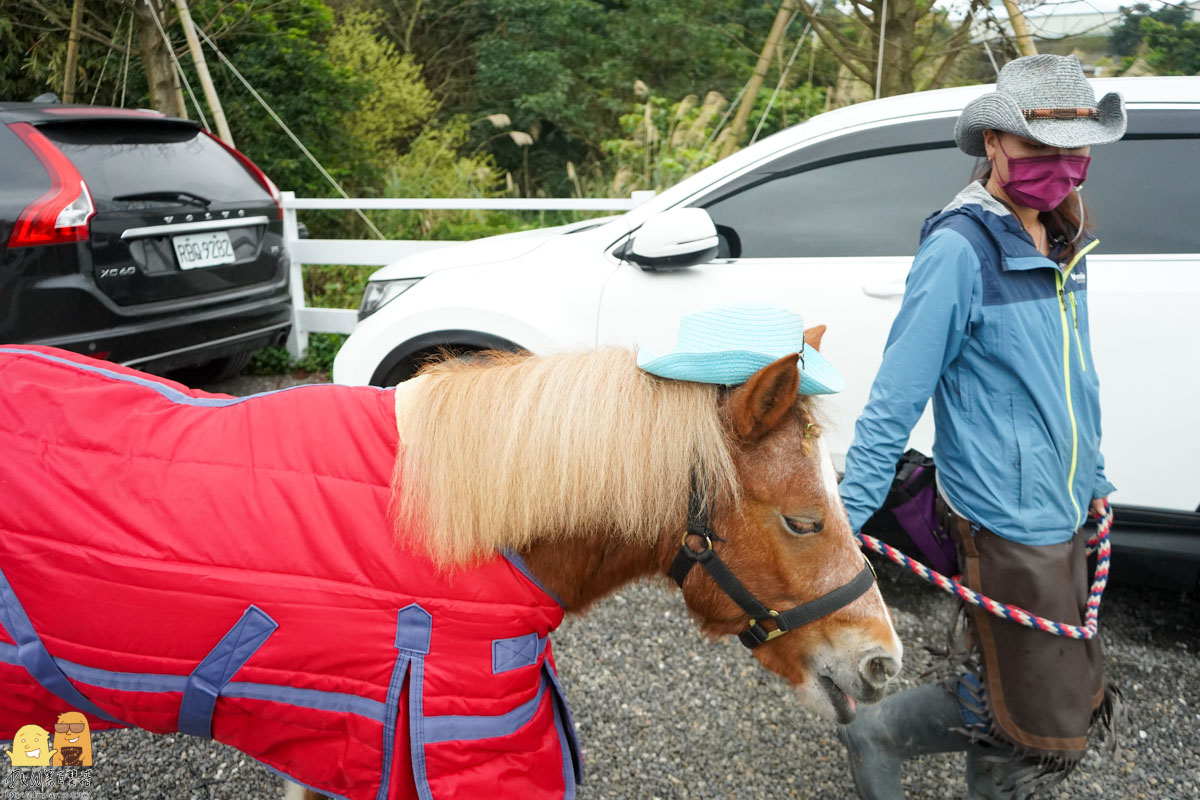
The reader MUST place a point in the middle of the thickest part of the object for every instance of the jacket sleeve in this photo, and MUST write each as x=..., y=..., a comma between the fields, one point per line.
x=1103, y=487
x=926, y=337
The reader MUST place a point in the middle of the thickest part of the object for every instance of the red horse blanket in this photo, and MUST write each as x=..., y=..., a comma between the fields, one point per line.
x=182, y=561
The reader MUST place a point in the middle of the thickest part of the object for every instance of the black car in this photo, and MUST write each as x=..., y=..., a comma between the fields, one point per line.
x=138, y=238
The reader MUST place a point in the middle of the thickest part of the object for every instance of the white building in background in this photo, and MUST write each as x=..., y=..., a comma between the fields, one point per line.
x=1060, y=26
x=1057, y=20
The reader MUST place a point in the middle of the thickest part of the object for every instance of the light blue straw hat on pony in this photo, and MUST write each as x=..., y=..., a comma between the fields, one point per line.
x=727, y=344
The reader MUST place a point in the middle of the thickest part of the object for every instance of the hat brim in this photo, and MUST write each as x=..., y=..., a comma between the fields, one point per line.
x=996, y=111
x=735, y=367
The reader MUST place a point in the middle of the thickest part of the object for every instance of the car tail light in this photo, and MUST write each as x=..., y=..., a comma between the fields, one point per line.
x=62, y=213
x=258, y=174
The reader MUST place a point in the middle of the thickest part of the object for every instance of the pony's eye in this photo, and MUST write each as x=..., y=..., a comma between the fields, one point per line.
x=801, y=527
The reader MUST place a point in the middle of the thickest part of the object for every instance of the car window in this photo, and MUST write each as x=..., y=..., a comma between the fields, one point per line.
x=872, y=205
x=1142, y=195
x=123, y=158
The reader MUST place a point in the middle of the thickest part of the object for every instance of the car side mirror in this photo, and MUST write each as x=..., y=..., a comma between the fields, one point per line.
x=679, y=237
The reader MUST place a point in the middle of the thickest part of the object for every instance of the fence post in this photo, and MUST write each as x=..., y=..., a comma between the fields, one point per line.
x=297, y=342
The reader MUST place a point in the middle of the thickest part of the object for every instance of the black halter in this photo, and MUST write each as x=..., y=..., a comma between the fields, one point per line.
x=786, y=621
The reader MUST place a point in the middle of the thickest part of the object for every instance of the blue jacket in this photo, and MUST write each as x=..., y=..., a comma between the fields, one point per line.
x=997, y=334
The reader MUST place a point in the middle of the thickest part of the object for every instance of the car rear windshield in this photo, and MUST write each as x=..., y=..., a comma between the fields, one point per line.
x=120, y=158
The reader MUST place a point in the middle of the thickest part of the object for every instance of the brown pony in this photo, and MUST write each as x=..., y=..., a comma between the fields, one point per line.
x=584, y=464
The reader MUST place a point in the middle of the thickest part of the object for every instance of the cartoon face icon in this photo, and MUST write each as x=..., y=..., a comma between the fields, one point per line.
x=31, y=747
x=72, y=740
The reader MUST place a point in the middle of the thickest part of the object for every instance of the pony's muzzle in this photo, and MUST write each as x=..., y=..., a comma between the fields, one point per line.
x=878, y=667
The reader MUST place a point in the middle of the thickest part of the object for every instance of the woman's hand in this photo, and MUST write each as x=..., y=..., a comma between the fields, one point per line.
x=1097, y=507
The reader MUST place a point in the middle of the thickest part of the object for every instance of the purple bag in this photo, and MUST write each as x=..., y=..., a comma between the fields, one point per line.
x=908, y=520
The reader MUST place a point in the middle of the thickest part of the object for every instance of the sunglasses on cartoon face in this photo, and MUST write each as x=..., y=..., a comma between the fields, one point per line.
x=69, y=727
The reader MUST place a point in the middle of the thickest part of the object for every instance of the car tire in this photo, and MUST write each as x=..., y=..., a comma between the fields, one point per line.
x=407, y=359
x=410, y=366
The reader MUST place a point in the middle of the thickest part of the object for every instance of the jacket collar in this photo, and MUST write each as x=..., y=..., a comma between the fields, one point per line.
x=1017, y=250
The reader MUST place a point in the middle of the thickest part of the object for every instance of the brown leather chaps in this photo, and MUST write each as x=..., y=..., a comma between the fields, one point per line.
x=1041, y=692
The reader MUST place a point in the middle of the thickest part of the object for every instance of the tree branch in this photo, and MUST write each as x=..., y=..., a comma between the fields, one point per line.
x=60, y=25
x=957, y=42
x=858, y=12
x=848, y=45
x=728, y=35
x=839, y=51
x=411, y=26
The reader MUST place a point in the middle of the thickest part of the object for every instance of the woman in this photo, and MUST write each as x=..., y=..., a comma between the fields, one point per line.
x=994, y=326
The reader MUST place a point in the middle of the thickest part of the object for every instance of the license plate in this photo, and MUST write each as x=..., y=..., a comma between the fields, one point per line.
x=203, y=249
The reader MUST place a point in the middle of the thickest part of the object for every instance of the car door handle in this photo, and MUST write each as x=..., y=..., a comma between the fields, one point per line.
x=884, y=289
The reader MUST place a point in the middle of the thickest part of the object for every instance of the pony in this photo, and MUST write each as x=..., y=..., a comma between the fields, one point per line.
x=508, y=485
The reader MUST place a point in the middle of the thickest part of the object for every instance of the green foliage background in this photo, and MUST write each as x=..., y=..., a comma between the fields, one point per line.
x=485, y=98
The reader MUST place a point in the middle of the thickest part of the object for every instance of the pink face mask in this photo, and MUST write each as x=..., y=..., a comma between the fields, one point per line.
x=1043, y=182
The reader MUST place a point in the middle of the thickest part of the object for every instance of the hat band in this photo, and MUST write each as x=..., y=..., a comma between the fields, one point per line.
x=1060, y=113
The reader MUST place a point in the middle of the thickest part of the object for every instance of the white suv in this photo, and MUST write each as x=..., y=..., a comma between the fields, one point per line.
x=824, y=217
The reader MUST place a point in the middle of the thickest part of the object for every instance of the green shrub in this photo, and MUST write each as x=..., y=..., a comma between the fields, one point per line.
x=322, y=347
x=335, y=285
x=270, y=361
x=318, y=359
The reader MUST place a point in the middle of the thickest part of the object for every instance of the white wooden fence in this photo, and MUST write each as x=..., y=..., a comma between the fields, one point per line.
x=377, y=253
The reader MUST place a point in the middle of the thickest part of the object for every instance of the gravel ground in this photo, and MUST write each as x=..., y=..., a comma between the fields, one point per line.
x=662, y=713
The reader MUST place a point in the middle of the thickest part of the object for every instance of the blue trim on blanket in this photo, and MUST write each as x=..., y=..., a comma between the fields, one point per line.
x=568, y=761
x=335, y=702
x=218, y=667
x=454, y=728
x=169, y=392
x=414, y=628
x=566, y=725
x=517, y=651
x=31, y=653
x=515, y=559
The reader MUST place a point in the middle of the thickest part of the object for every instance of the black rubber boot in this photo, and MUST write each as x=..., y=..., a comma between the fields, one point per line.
x=992, y=774
x=911, y=723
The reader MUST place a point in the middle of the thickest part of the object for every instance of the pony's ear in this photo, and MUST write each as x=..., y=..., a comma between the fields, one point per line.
x=812, y=337
x=761, y=403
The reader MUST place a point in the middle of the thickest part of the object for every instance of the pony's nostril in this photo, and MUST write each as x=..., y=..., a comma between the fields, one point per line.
x=878, y=670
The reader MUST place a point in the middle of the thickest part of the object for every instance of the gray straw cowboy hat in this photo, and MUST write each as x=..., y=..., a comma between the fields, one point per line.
x=1045, y=98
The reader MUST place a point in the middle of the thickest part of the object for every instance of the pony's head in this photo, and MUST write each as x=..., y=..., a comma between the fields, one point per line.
x=586, y=455
x=788, y=541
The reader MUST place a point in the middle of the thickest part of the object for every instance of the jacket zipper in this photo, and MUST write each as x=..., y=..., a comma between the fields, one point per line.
x=1060, y=278
x=1078, y=341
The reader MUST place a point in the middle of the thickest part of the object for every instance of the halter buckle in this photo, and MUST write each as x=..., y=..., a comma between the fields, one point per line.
x=757, y=634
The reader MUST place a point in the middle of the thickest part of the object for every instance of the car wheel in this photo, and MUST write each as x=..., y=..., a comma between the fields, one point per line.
x=408, y=359
x=411, y=365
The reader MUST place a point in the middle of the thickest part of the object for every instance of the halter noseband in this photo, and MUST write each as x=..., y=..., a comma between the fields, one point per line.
x=785, y=621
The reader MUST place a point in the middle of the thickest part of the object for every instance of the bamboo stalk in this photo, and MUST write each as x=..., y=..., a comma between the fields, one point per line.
x=210, y=91
x=72, y=53
x=738, y=126
x=1025, y=43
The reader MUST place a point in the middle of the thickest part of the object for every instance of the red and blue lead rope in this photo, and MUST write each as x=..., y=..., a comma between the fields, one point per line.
x=1098, y=544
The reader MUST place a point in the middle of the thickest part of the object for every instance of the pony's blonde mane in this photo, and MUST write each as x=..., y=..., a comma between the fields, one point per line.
x=509, y=450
